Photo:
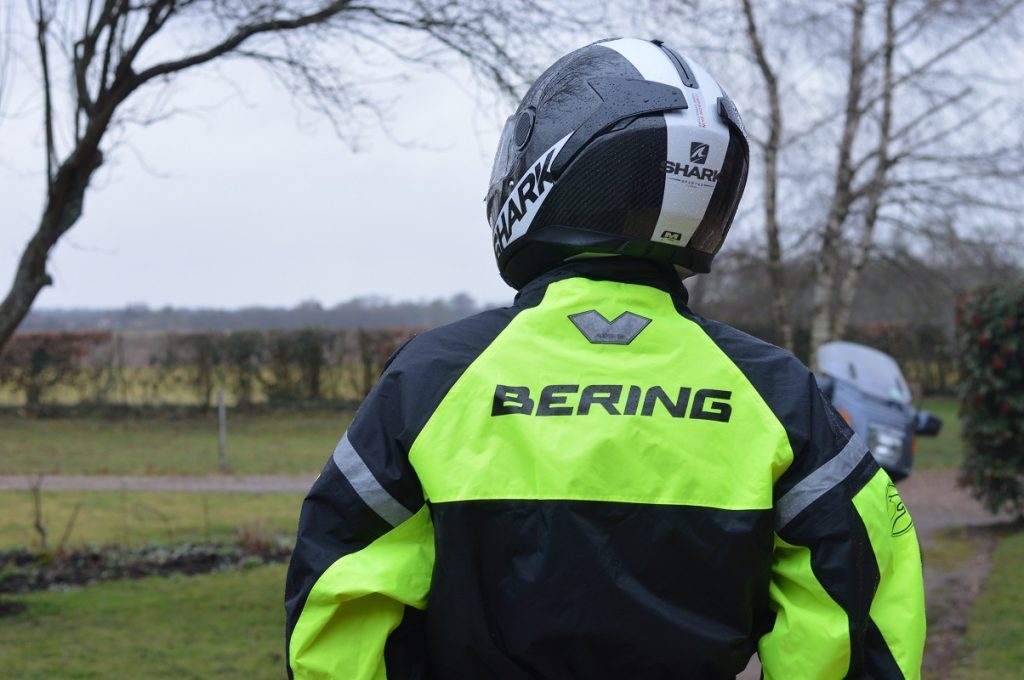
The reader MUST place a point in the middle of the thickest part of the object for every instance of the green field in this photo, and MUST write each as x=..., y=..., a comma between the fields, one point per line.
x=230, y=624
x=134, y=518
x=945, y=451
x=993, y=647
x=224, y=625
x=277, y=442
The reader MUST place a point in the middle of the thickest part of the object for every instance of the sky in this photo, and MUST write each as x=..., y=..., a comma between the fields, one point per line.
x=247, y=199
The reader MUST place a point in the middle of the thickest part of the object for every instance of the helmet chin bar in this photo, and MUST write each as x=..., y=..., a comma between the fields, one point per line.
x=683, y=272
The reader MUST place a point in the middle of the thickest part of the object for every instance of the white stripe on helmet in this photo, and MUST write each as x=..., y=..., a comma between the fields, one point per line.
x=687, y=187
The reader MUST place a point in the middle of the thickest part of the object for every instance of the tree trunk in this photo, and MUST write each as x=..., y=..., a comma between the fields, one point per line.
x=776, y=267
x=63, y=208
x=827, y=265
x=29, y=279
x=824, y=276
x=848, y=289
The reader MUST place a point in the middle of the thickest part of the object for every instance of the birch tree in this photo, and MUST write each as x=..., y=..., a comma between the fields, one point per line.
x=901, y=171
x=872, y=121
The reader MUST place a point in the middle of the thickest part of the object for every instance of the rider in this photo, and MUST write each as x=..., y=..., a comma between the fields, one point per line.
x=597, y=482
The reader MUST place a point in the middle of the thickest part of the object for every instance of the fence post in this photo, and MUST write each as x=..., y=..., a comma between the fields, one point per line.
x=222, y=418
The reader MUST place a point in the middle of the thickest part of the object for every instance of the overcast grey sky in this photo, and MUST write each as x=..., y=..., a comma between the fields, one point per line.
x=258, y=202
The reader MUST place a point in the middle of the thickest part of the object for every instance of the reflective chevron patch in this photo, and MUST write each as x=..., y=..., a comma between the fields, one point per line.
x=600, y=331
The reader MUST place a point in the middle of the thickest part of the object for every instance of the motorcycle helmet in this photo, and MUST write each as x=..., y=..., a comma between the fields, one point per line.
x=623, y=147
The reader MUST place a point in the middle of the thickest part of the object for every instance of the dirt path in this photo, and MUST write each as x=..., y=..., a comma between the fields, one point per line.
x=211, y=484
x=942, y=509
x=936, y=503
x=961, y=537
x=932, y=495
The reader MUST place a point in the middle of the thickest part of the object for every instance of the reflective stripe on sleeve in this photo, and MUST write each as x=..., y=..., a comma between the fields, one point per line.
x=819, y=482
x=366, y=485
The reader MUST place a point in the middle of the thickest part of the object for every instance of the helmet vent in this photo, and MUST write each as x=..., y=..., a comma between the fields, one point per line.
x=524, y=127
x=682, y=68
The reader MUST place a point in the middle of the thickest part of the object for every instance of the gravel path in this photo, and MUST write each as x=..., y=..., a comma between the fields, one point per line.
x=212, y=483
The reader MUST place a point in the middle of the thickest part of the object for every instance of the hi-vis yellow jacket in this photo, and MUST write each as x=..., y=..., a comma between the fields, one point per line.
x=596, y=482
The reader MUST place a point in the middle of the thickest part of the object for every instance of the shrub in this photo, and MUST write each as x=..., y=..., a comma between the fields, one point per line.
x=242, y=350
x=36, y=362
x=991, y=322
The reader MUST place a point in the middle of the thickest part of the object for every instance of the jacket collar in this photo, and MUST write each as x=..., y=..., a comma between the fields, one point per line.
x=623, y=269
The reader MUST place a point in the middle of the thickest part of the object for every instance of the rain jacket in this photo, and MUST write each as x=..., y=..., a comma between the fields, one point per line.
x=596, y=482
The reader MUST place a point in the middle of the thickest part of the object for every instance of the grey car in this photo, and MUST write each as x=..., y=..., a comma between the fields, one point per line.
x=870, y=392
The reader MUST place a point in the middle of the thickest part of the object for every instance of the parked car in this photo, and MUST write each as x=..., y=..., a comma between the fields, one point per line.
x=868, y=389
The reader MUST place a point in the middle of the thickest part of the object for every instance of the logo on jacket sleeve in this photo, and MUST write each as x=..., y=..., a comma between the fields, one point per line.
x=899, y=519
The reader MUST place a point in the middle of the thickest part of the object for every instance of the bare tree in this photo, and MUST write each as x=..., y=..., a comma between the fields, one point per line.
x=878, y=121
x=103, y=63
x=945, y=125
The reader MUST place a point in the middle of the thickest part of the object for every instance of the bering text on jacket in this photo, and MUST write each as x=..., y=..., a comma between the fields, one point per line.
x=560, y=400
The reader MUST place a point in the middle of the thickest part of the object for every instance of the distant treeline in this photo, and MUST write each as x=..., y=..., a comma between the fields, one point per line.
x=898, y=287
x=366, y=312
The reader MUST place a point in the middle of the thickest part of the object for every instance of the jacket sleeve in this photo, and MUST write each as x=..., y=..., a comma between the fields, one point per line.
x=846, y=583
x=359, y=576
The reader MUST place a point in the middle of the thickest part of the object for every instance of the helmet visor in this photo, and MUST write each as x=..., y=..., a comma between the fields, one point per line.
x=499, y=171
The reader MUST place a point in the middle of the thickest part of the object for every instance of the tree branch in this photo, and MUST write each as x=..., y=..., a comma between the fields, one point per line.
x=112, y=26
x=241, y=35
x=6, y=51
x=951, y=49
x=42, y=34
x=84, y=51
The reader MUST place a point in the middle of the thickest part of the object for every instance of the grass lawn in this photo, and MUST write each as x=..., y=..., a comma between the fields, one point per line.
x=257, y=444
x=944, y=452
x=993, y=644
x=225, y=625
x=138, y=518
x=283, y=442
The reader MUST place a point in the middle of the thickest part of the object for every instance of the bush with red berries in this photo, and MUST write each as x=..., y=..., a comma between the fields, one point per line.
x=991, y=325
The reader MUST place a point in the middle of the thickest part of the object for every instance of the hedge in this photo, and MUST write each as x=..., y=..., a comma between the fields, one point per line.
x=991, y=322
x=186, y=369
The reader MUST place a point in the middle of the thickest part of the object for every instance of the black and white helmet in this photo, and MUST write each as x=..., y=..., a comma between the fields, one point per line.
x=622, y=147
